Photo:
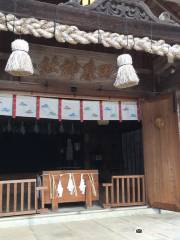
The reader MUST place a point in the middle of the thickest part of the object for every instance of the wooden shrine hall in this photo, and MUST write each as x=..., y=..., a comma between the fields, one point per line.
x=89, y=105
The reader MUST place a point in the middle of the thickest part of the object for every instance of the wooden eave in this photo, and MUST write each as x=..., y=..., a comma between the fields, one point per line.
x=86, y=19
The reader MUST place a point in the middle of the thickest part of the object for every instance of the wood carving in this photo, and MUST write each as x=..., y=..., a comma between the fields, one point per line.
x=70, y=67
x=48, y=65
x=159, y=122
x=130, y=9
x=89, y=70
x=105, y=70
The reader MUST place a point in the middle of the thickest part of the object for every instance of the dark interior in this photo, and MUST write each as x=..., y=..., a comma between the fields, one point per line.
x=28, y=145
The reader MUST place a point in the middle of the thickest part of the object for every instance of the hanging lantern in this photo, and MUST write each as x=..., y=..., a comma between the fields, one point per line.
x=126, y=76
x=19, y=63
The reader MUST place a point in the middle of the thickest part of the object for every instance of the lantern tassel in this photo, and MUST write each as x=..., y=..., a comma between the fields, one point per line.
x=19, y=62
x=126, y=76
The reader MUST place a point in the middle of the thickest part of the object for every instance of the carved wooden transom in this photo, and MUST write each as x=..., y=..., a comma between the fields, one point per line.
x=130, y=9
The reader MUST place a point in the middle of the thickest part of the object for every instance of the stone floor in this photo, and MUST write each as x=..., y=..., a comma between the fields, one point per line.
x=154, y=227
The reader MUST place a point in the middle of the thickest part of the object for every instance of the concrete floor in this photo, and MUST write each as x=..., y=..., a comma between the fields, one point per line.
x=154, y=226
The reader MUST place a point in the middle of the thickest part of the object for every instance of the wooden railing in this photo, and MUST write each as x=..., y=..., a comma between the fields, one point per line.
x=125, y=191
x=19, y=197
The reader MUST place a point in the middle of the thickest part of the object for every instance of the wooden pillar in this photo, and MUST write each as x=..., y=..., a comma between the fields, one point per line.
x=177, y=162
x=177, y=108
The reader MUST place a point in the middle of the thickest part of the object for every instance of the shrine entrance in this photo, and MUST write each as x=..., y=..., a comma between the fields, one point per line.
x=50, y=149
x=28, y=145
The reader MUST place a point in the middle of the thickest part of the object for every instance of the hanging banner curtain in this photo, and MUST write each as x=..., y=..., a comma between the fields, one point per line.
x=71, y=109
x=66, y=109
x=110, y=110
x=129, y=111
x=25, y=106
x=91, y=110
x=6, y=105
x=48, y=108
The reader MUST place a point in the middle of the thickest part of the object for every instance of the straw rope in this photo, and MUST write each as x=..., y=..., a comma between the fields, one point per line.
x=72, y=35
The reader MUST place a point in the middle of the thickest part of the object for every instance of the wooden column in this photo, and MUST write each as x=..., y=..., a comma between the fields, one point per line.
x=177, y=108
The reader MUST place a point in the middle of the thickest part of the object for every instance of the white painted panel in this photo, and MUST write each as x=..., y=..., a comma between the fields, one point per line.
x=110, y=110
x=25, y=106
x=91, y=110
x=49, y=108
x=6, y=103
x=129, y=110
x=71, y=109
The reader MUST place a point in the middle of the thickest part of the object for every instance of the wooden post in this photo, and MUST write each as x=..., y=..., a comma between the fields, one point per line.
x=117, y=190
x=22, y=196
x=138, y=189
x=112, y=192
x=88, y=193
x=35, y=199
x=29, y=196
x=143, y=190
x=123, y=192
x=1, y=194
x=41, y=190
x=8, y=197
x=107, y=202
x=128, y=190
x=15, y=197
x=133, y=191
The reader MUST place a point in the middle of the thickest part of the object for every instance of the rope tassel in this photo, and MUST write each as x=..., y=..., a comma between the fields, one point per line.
x=126, y=76
x=19, y=62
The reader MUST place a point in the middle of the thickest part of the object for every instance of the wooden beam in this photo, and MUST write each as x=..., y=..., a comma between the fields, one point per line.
x=139, y=70
x=175, y=1
x=41, y=89
x=172, y=82
x=88, y=20
x=161, y=66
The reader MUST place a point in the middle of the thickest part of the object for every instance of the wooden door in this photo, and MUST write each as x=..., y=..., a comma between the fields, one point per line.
x=161, y=154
